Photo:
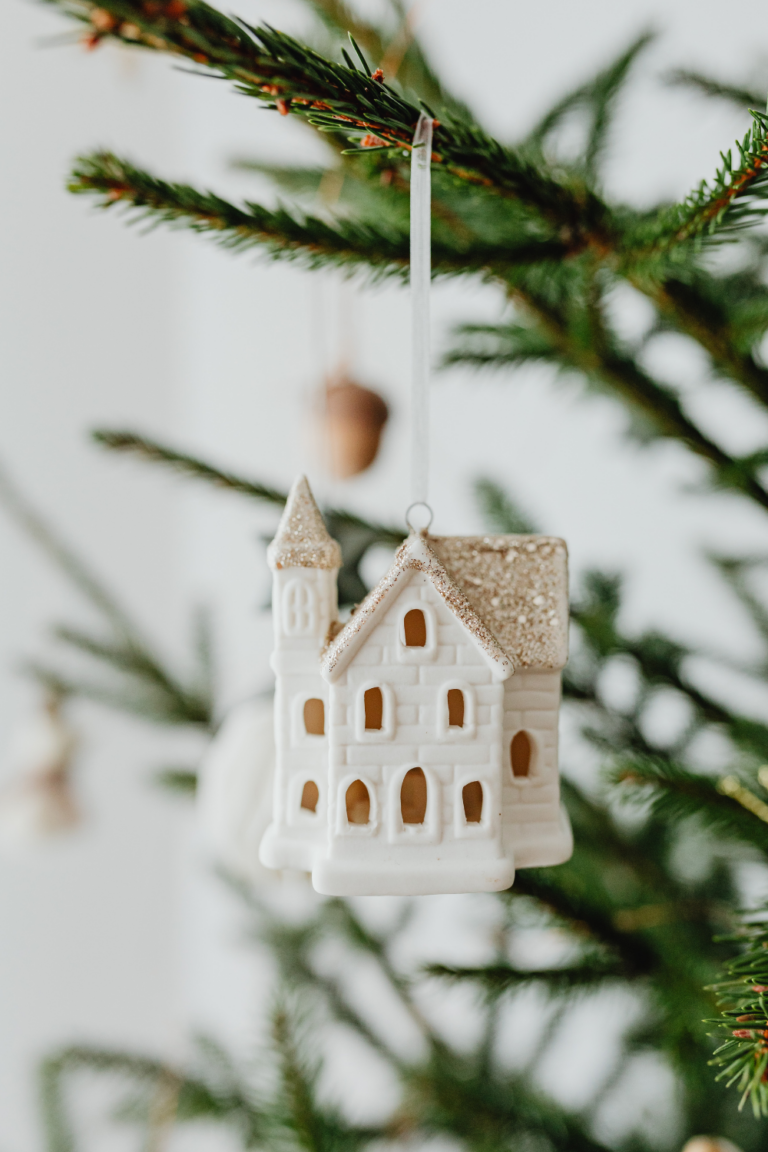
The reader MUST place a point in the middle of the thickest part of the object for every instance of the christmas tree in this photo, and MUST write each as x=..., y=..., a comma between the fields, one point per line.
x=651, y=906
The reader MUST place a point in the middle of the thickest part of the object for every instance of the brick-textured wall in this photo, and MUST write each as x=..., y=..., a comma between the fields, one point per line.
x=416, y=688
x=532, y=804
x=296, y=661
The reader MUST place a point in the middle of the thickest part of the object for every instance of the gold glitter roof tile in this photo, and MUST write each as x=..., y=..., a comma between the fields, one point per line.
x=302, y=539
x=415, y=554
x=519, y=586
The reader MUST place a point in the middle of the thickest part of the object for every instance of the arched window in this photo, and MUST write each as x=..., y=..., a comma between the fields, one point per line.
x=455, y=708
x=309, y=796
x=374, y=713
x=314, y=717
x=413, y=797
x=472, y=797
x=521, y=754
x=373, y=706
x=358, y=802
x=415, y=628
x=298, y=608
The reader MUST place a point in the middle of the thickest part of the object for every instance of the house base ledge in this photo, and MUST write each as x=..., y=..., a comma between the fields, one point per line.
x=548, y=845
x=353, y=878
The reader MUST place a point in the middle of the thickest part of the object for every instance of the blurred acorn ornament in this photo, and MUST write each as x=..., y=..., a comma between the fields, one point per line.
x=351, y=419
x=38, y=801
x=710, y=1144
x=234, y=795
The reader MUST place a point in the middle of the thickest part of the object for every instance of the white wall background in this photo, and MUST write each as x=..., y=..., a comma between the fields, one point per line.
x=104, y=936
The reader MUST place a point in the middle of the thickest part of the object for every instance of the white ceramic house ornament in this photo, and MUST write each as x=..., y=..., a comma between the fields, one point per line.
x=416, y=745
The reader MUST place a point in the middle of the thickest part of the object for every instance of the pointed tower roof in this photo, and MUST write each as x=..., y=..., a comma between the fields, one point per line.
x=302, y=539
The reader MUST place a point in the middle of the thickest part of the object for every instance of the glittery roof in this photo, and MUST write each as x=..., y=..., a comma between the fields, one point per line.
x=519, y=586
x=302, y=539
x=415, y=554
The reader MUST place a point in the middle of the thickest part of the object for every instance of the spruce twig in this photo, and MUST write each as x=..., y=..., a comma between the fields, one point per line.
x=381, y=251
x=186, y=464
x=551, y=337
x=716, y=89
x=291, y=78
x=153, y=691
x=64, y=557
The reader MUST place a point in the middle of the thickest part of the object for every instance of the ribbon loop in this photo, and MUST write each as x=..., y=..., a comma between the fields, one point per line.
x=421, y=275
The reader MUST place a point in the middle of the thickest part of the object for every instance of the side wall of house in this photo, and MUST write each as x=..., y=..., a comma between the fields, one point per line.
x=415, y=683
x=297, y=832
x=533, y=826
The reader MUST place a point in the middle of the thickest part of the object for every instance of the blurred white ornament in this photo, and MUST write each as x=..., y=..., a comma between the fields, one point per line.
x=234, y=795
x=38, y=801
x=710, y=1144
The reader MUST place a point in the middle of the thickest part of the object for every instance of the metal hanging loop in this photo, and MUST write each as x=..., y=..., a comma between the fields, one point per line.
x=425, y=513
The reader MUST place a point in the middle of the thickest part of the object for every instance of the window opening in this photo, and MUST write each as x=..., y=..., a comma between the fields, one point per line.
x=413, y=797
x=373, y=702
x=455, y=708
x=520, y=754
x=415, y=628
x=309, y=796
x=472, y=795
x=299, y=609
x=358, y=803
x=314, y=717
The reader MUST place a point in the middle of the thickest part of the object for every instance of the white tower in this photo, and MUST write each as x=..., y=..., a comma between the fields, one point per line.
x=305, y=562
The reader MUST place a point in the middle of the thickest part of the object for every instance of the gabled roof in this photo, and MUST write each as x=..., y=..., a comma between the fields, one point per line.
x=302, y=539
x=519, y=586
x=417, y=555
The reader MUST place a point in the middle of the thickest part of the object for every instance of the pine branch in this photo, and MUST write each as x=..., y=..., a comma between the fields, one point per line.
x=297, y=1112
x=116, y=182
x=155, y=692
x=183, y=781
x=551, y=337
x=354, y=534
x=696, y=307
x=674, y=793
x=743, y=1057
x=225, y=1102
x=173, y=703
x=717, y=89
x=499, y=511
x=587, y=917
x=580, y=218
x=713, y=211
x=340, y=915
x=394, y=47
x=63, y=557
x=186, y=465
x=282, y=234
x=660, y=661
x=499, y=978
x=198, y=469
x=292, y=78
x=454, y=1097
x=597, y=98
x=298, y=1079
x=736, y=571
x=136, y=698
